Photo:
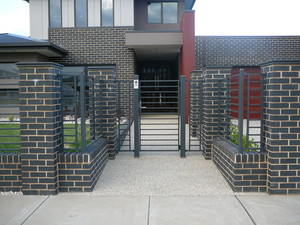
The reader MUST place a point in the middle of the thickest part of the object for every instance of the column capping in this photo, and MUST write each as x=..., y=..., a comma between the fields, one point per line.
x=197, y=71
x=216, y=67
x=112, y=66
x=40, y=64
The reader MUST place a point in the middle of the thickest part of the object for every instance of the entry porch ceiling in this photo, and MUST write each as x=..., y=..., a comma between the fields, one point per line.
x=155, y=45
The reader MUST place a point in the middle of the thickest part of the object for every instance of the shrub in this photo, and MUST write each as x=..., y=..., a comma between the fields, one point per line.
x=246, y=144
x=11, y=118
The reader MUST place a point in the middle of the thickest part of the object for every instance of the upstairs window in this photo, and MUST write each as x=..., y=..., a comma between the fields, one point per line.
x=81, y=13
x=107, y=13
x=162, y=12
x=55, y=13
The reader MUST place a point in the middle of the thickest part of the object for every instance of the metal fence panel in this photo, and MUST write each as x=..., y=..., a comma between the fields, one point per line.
x=9, y=116
x=241, y=101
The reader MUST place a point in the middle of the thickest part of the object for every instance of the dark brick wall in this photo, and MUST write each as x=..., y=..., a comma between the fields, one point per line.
x=10, y=172
x=40, y=121
x=108, y=118
x=97, y=45
x=196, y=102
x=79, y=172
x=244, y=172
x=211, y=76
x=282, y=126
x=244, y=51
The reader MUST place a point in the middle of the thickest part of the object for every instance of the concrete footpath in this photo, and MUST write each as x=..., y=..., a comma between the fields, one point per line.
x=146, y=210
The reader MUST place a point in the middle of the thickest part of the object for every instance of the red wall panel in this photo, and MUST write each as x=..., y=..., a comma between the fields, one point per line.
x=255, y=83
x=187, y=60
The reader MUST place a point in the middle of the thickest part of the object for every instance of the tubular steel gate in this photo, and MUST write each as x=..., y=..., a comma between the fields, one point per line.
x=160, y=115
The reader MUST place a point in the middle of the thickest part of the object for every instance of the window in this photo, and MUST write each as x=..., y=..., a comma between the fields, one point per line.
x=9, y=84
x=9, y=96
x=55, y=13
x=169, y=12
x=107, y=13
x=9, y=71
x=162, y=12
x=81, y=13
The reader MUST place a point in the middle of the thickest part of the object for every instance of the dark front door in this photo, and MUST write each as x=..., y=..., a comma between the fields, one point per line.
x=159, y=92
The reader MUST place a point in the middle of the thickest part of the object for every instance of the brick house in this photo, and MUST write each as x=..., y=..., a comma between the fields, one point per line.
x=156, y=40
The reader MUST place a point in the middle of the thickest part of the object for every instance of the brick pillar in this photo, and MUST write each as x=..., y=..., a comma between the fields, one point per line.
x=40, y=118
x=108, y=120
x=282, y=122
x=211, y=75
x=195, y=102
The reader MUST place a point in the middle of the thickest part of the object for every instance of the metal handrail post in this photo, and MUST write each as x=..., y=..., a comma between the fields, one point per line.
x=182, y=110
x=137, y=135
x=241, y=111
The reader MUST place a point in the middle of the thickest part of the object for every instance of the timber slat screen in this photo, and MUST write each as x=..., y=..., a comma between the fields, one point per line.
x=9, y=116
x=240, y=106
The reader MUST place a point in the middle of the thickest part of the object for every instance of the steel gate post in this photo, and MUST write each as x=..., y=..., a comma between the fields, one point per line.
x=82, y=111
x=241, y=111
x=182, y=116
x=136, y=116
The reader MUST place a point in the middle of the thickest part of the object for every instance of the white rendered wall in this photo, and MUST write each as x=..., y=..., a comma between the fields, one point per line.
x=68, y=13
x=94, y=13
x=39, y=15
x=39, y=19
x=124, y=14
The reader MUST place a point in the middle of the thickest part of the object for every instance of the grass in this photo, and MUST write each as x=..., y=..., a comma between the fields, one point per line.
x=10, y=133
x=7, y=130
x=70, y=142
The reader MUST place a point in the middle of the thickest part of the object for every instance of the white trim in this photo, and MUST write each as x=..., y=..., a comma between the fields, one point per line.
x=68, y=13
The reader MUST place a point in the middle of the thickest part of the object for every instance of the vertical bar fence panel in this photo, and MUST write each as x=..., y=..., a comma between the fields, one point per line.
x=81, y=111
x=9, y=116
x=124, y=114
x=241, y=111
x=183, y=84
x=195, y=115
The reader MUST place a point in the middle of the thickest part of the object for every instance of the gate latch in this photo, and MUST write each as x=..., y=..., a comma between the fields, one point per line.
x=135, y=84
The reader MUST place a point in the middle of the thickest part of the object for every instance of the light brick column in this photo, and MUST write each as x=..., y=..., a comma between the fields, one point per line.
x=108, y=121
x=40, y=122
x=282, y=126
x=211, y=76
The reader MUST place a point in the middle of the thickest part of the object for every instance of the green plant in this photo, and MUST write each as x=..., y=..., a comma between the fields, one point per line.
x=11, y=118
x=246, y=144
x=10, y=138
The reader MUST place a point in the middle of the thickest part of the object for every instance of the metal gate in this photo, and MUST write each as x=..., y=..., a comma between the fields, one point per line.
x=160, y=115
x=159, y=118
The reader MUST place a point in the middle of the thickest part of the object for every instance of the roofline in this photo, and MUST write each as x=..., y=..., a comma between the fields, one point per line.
x=189, y=7
x=34, y=45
